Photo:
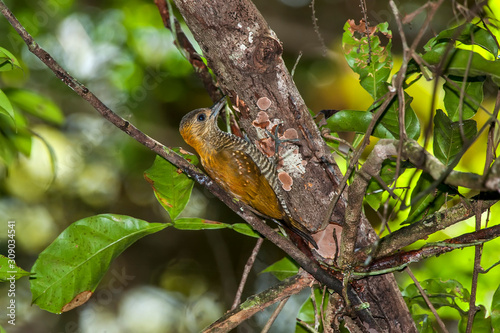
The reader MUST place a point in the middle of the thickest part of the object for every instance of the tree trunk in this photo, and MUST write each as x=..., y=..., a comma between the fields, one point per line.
x=245, y=55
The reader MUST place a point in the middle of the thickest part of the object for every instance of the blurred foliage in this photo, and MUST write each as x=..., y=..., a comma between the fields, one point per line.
x=60, y=162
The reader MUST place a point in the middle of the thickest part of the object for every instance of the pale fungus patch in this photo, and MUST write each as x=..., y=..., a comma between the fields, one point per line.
x=286, y=180
x=264, y=103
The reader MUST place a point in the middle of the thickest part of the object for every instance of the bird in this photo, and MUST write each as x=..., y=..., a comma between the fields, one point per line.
x=239, y=167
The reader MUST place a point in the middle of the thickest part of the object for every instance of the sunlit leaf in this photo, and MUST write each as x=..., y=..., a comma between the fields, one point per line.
x=473, y=94
x=448, y=141
x=469, y=34
x=459, y=62
x=9, y=270
x=80, y=256
x=368, y=57
x=171, y=186
x=282, y=269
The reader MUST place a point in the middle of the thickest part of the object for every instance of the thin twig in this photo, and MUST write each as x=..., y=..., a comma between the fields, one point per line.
x=275, y=314
x=367, y=31
x=475, y=273
x=427, y=300
x=292, y=72
x=246, y=272
x=316, y=28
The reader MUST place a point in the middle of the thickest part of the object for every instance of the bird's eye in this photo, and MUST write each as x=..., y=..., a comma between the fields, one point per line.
x=201, y=117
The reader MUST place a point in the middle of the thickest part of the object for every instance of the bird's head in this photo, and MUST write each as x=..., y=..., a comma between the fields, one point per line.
x=197, y=126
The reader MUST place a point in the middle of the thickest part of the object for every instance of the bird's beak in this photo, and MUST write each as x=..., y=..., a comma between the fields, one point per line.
x=217, y=107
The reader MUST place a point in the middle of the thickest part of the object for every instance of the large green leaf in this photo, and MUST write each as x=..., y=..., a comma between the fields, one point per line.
x=390, y=119
x=469, y=34
x=74, y=264
x=172, y=187
x=459, y=62
x=448, y=141
x=37, y=105
x=367, y=56
x=428, y=204
x=356, y=121
x=440, y=293
x=282, y=269
x=386, y=128
x=9, y=270
x=473, y=94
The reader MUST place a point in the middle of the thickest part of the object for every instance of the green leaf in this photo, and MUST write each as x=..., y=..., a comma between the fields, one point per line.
x=6, y=106
x=194, y=223
x=495, y=308
x=306, y=312
x=390, y=119
x=457, y=62
x=469, y=34
x=7, y=150
x=37, y=105
x=427, y=205
x=481, y=323
x=356, y=121
x=448, y=138
x=74, y=264
x=369, y=59
x=374, y=190
x=9, y=270
x=473, y=95
x=245, y=229
x=282, y=269
x=440, y=293
x=7, y=61
x=172, y=187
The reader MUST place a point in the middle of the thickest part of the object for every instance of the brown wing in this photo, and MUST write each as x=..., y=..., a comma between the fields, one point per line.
x=236, y=172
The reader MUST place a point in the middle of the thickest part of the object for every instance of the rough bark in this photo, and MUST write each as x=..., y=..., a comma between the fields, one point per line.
x=245, y=55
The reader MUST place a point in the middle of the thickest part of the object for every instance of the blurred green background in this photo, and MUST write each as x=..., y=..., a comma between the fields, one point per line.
x=79, y=165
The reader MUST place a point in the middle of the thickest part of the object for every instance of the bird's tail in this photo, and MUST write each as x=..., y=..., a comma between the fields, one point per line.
x=300, y=230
